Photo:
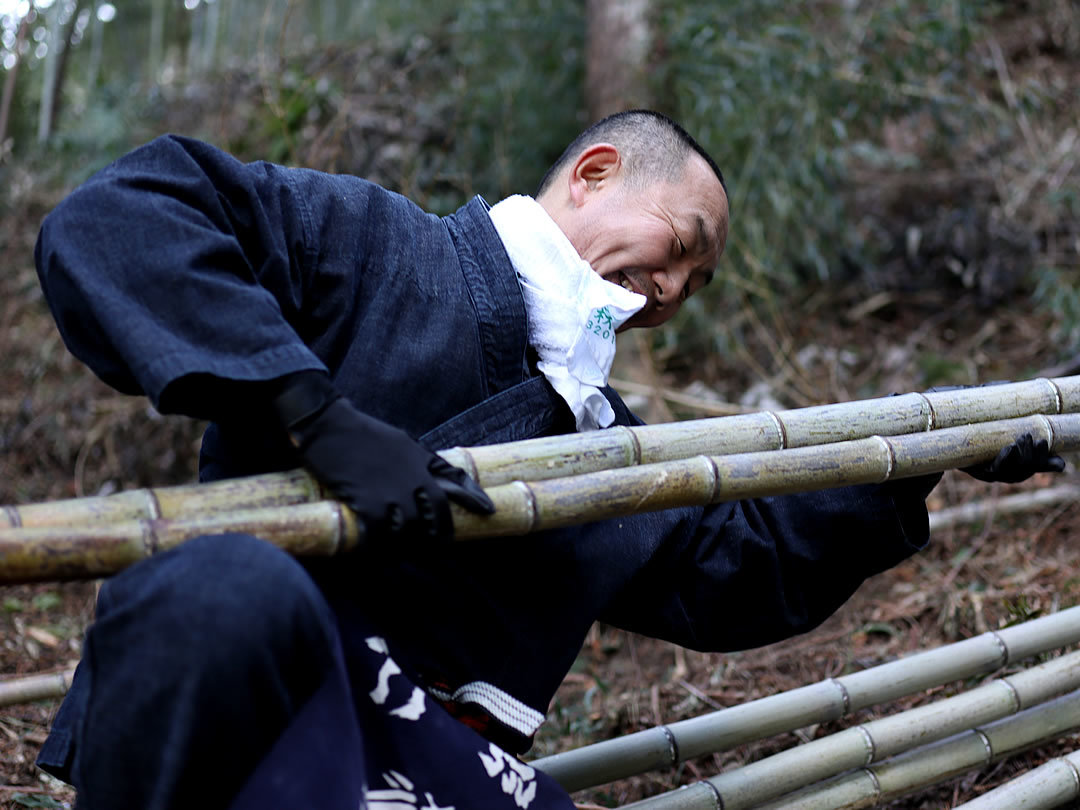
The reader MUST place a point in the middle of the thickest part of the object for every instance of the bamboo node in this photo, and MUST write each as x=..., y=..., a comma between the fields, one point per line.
x=1075, y=775
x=13, y=516
x=781, y=431
x=871, y=748
x=472, y=469
x=1001, y=645
x=890, y=457
x=931, y=414
x=673, y=745
x=1018, y=704
x=153, y=505
x=845, y=696
x=635, y=444
x=987, y=745
x=715, y=794
x=341, y=541
x=530, y=504
x=1049, y=426
x=1059, y=400
x=149, y=537
x=714, y=472
x=875, y=783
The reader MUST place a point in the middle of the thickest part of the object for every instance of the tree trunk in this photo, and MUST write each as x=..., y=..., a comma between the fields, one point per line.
x=211, y=29
x=62, y=65
x=50, y=73
x=157, y=39
x=97, y=35
x=9, y=81
x=618, y=41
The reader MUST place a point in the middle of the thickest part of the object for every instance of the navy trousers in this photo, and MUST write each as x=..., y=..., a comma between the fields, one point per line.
x=215, y=676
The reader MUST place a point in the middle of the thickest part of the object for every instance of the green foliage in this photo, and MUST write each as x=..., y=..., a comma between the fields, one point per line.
x=46, y=601
x=787, y=97
x=503, y=78
x=36, y=800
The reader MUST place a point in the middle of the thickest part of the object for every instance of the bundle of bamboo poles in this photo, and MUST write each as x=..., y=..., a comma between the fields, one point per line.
x=565, y=480
x=875, y=761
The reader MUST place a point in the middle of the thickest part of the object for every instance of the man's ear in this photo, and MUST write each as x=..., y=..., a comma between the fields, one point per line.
x=596, y=168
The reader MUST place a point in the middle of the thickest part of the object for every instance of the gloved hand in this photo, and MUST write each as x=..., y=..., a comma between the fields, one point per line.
x=394, y=484
x=1017, y=462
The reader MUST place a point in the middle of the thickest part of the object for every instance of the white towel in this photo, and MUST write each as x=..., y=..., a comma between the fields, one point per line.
x=573, y=313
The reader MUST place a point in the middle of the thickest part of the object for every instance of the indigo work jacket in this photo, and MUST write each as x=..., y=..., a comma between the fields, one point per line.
x=178, y=270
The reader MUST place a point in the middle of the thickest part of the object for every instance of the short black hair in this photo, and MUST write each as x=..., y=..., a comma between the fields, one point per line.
x=651, y=144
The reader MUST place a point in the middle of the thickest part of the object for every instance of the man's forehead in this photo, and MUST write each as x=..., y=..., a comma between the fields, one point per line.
x=709, y=199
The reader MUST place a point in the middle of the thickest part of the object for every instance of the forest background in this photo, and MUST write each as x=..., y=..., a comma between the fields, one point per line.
x=905, y=197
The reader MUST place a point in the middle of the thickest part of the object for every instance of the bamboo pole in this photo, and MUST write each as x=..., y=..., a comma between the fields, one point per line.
x=42, y=553
x=576, y=454
x=32, y=553
x=35, y=687
x=523, y=507
x=253, y=492
x=557, y=456
x=857, y=747
x=932, y=764
x=829, y=700
x=1052, y=784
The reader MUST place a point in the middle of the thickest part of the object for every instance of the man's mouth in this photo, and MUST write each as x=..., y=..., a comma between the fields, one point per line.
x=624, y=281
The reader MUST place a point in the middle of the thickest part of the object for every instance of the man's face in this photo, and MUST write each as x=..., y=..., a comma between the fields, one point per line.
x=662, y=241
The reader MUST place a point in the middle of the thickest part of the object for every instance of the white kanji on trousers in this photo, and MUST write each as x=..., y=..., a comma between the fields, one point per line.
x=399, y=795
x=411, y=709
x=518, y=779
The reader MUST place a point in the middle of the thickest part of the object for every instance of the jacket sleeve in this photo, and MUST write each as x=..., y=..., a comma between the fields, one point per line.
x=178, y=270
x=743, y=574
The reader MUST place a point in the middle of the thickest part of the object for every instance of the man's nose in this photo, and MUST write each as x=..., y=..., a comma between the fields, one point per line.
x=669, y=284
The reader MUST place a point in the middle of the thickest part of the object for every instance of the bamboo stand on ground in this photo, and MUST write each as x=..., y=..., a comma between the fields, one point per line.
x=668, y=746
x=27, y=689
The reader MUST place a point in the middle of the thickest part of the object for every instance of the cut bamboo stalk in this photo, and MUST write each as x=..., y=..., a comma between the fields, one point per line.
x=932, y=764
x=576, y=454
x=523, y=507
x=975, y=511
x=1052, y=784
x=252, y=492
x=667, y=746
x=45, y=553
x=861, y=745
x=35, y=687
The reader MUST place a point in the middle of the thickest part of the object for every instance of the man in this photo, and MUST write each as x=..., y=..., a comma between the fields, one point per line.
x=321, y=320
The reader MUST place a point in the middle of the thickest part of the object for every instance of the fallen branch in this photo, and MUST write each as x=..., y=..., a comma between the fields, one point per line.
x=975, y=511
x=35, y=687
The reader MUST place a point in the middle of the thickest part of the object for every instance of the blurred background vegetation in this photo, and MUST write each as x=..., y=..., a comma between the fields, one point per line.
x=877, y=148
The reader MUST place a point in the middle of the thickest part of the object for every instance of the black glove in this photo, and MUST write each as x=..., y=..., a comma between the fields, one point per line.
x=1015, y=462
x=394, y=484
x=1018, y=462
